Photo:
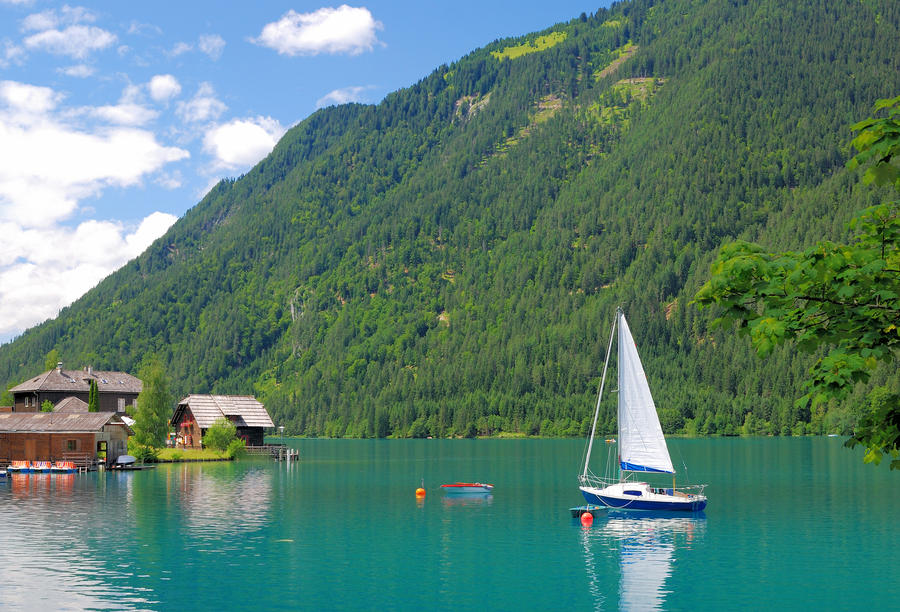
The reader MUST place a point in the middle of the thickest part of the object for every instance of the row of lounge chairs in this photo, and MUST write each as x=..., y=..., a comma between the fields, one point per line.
x=45, y=467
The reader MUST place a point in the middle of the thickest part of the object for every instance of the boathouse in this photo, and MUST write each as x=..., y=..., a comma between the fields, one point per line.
x=56, y=436
x=116, y=390
x=196, y=413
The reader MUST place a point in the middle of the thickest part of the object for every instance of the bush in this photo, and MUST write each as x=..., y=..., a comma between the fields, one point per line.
x=175, y=456
x=144, y=454
x=237, y=448
x=220, y=434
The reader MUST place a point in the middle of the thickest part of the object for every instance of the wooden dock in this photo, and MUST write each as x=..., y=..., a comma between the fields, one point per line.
x=278, y=452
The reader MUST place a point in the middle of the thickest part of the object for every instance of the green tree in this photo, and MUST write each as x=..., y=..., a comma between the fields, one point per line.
x=220, y=434
x=51, y=360
x=154, y=406
x=93, y=396
x=47, y=406
x=844, y=298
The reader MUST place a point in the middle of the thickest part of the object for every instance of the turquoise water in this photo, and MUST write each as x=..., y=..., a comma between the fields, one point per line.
x=791, y=524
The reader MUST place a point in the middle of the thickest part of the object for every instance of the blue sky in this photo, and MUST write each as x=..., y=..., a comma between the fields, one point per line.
x=117, y=117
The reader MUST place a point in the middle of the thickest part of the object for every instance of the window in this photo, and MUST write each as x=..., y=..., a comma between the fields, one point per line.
x=71, y=445
x=121, y=404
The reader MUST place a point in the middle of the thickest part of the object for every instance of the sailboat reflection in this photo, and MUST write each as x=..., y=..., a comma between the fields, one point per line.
x=646, y=546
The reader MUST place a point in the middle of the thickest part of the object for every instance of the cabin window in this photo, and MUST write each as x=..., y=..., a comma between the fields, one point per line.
x=635, y=493
x=71, y=445
x=121, y=404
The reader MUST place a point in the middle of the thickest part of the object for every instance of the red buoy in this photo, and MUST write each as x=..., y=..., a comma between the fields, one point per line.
x=587, y=518
x=420, y=492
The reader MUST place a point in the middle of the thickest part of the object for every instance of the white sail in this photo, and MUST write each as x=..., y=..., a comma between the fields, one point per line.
x=642, y=446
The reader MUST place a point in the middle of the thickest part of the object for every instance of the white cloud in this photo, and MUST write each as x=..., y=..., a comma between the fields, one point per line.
x=164, y=87
x=77, y=41
x=51, y=18
x=204, y=106
x=25, y=99
x=242, y=142
x=344, y=29
x=80, y=71
x=44, y=269
x=11, y=54
x=342, y=96
x=124, y=114
x=212, y=45
x=48, y=164
x=180, y=48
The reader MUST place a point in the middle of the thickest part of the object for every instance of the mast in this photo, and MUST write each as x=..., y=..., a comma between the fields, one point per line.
x=612, y=334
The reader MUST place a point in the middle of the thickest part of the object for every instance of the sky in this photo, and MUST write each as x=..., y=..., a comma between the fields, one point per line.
x=117, y=117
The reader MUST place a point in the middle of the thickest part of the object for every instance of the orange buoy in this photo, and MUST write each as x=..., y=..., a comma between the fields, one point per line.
x=587, y=518
x=420, y=492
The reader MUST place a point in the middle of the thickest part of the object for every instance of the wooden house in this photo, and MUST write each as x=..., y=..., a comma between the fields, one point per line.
x=54, y=436
x=196, y=413
x=116, y=390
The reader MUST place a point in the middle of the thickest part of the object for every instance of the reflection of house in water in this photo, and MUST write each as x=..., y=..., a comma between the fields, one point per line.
x=218, y=504
x=196, y=413
x=647, y=546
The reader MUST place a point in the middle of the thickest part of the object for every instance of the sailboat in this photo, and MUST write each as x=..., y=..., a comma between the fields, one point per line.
x=641, y=444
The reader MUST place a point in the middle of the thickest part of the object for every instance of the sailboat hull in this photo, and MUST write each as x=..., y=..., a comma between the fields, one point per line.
x=639, y=496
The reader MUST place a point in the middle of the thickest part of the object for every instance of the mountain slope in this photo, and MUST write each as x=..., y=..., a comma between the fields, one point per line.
x=448, y=261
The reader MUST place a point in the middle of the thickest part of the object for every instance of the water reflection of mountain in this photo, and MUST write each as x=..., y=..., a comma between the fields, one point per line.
x=645, y=546
x=215, y=504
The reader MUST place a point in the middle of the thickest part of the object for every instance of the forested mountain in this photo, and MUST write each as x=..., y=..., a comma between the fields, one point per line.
x=448, y=261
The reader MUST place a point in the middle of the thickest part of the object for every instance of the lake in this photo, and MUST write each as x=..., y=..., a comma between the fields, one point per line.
x=792, y=523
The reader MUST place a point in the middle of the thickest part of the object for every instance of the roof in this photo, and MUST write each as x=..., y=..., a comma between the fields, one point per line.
x=242, y=410
x=71, y=405
x=79, y=381
x=54, y=422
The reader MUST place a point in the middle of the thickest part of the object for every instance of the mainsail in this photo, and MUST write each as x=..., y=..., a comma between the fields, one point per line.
x=642, y=446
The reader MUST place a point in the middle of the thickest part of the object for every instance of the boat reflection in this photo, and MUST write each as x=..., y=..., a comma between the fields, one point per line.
x=646, y=546
x=467, y=500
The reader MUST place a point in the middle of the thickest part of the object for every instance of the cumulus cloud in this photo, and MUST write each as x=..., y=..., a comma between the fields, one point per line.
x=11, y=54
x=204, y=106
x=52, y=158
x=342, y=96
x=242, y=142
x=63, y=32
x=77, y=41
x=80, y=71
x=212, y=45
x=47, y=164
x=43, y=270
x=344, y=29
x=164, y=87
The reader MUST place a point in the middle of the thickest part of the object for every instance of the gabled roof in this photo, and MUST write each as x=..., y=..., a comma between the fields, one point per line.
x=79, y=381
x=71, y=405
x=242, y=410
x=54, y=422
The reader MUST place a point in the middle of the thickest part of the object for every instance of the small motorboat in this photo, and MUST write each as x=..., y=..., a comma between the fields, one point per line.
x=467, y=487
x=593, y=509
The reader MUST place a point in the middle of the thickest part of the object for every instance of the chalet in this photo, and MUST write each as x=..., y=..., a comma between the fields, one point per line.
x=196, y=413
x=55, y=436
x=116, y=390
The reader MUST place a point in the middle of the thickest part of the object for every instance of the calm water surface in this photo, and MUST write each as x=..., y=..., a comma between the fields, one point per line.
x=791, y=524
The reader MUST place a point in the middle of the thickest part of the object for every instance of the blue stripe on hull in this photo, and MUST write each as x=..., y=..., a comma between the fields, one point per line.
x=640, y=504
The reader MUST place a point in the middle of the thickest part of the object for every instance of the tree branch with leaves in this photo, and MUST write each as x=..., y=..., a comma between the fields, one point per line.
x=843, y=298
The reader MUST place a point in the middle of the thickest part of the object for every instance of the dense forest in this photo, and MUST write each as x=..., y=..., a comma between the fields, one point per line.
x=448, y=261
